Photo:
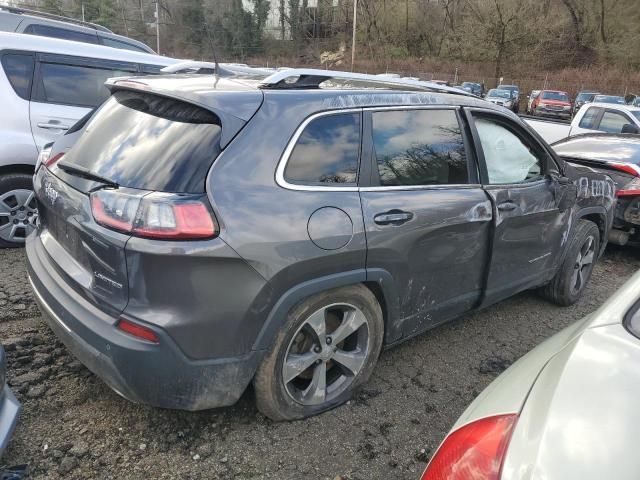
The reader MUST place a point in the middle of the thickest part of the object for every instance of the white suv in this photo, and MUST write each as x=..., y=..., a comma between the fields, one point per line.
x=46, y=85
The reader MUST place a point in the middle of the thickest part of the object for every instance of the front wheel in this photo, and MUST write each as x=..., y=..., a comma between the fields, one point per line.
x=574, y=273
x=328, y=347
x=18, y=209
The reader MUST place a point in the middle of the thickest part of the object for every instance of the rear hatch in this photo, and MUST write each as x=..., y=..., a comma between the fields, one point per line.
x=137, y=144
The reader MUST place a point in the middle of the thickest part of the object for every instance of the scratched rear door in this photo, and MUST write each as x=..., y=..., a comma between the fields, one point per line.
x=427, y=219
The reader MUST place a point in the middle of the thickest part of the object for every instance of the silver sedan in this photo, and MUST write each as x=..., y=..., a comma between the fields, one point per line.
x=566, y=410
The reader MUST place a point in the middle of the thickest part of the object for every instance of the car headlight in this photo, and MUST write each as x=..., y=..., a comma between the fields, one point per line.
x=44, y=154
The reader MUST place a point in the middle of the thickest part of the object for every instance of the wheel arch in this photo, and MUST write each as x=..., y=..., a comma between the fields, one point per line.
x=380, y=283
x=597, y=215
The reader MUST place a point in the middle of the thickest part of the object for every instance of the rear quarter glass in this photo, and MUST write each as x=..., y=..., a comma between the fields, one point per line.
x=144, y=141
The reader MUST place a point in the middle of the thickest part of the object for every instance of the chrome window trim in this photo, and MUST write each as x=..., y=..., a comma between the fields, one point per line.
x=453, y=186
x=284, y=159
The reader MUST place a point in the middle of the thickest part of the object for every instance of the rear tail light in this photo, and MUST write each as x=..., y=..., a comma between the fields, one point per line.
x=138, y=331
x=51, y=161
x=473, y=452
x=633, y=187
x=153, y=215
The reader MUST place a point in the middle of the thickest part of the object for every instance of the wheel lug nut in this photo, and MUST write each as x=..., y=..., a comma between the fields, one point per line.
x=317, y=349
x=15, y=221
x=26, y=222
x=22, y=208
x=13, y=212
x=329, y=340
x=29, y=214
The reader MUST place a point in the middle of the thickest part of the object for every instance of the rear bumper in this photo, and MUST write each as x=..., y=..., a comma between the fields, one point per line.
x=160, y=374
x=9, y=410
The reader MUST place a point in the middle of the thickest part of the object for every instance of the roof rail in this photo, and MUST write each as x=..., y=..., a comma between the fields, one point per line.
x=309, y=78
x=224, y=69
x=51, y=16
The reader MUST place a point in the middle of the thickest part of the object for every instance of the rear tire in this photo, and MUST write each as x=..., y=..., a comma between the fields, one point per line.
x=573, y=275
x=18, y=209
x=326, y=349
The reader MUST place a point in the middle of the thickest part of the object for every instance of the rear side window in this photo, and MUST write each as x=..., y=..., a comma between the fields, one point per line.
x=144, y=141
x=419, y=147
x=64, y=34
x=76, y=85
x=109, y=42
x=589, y=118
x=19, y=70
x=612, y=122
x=327, y=151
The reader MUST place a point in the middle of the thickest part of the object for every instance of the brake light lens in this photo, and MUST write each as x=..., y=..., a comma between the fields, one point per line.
x=51, y=161
x=629, y=168
x=153, y=215
x=138, y=331
x=631, y=189
x=473, y=452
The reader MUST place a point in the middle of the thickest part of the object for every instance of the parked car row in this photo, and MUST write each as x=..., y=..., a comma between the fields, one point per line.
x=189, y=237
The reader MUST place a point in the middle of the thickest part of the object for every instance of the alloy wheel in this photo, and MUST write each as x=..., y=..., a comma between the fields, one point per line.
x=326, y=354
x=583, y=264
x=18, y=214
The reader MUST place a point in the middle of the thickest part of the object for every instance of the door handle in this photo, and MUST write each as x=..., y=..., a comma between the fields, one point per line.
x=393, y=217
x=507, y=206
x=53, y=126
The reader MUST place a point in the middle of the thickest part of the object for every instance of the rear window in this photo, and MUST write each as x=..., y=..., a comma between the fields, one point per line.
x=19, y=70
x=110, y=42
x=149, y=142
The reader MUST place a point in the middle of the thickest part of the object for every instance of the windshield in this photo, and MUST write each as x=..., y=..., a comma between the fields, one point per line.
x=511, y=88
x=610, y=99
x=499, y=93
x=559, y=96
x=585, y=97
x=144, y=141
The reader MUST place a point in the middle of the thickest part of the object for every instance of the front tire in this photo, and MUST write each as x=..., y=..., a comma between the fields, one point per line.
x=571, y=279
x=326, y=349
x=18, y=209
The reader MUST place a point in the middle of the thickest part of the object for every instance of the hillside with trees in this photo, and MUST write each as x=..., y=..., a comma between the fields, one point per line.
x=567, y=43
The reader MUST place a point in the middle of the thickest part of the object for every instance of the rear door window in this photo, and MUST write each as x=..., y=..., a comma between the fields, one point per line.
x=19, y=71
x=590, y=118
x=110, y=42
x=612, y=122
x=144, y=141
x=77, y=85
x=327, y=151
x=419, y=147
x=62, y=33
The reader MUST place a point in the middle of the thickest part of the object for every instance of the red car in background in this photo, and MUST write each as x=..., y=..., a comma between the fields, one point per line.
x=552, y=103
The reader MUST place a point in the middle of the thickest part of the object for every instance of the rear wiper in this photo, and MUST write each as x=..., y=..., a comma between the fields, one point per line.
x=85, y=173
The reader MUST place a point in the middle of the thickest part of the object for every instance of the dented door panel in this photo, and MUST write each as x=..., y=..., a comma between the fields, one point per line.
x=438, y=257
x=527, y=240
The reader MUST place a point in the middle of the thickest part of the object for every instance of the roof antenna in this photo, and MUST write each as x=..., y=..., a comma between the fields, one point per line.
x=213, y=49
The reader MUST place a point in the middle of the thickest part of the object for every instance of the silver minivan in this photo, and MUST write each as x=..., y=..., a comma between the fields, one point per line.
x=47, y=85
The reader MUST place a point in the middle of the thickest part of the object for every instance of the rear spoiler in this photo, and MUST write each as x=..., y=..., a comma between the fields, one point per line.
x=230, y=122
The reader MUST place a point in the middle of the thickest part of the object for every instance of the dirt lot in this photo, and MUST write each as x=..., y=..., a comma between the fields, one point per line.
x=73, y=426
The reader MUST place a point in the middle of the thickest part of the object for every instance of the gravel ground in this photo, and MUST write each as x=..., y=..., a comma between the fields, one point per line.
x=73, y=426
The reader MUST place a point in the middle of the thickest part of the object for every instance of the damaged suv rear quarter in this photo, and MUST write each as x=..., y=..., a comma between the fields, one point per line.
x=322, y=225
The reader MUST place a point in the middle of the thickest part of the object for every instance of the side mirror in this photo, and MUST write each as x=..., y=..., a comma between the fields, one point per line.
x=630, y=128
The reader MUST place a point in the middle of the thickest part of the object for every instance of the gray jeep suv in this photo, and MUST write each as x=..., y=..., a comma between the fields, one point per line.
x=206, y=232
